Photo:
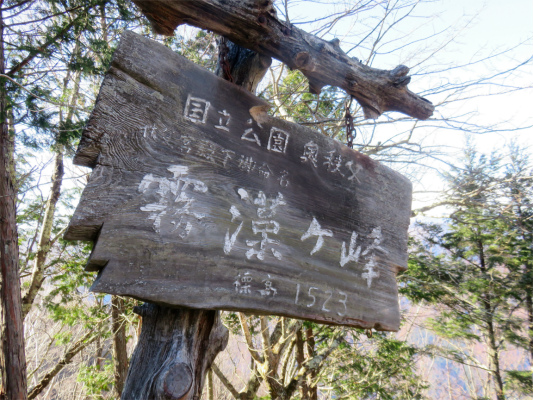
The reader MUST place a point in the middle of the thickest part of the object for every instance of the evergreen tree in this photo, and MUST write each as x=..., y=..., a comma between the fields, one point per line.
x=54, y=56
x=518, y=214
x=466, y=268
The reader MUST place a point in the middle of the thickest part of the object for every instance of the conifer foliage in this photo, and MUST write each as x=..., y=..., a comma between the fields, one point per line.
x=474, y=268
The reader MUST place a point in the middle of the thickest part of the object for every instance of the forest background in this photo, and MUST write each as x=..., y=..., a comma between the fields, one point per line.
x=467, y=297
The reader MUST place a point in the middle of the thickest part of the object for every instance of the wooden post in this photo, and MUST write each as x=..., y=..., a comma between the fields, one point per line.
x=175, y=350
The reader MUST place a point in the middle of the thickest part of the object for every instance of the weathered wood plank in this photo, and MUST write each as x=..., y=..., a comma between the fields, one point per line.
x=199, y=199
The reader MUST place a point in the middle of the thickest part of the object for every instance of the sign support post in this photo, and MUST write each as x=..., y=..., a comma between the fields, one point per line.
x=175, y=350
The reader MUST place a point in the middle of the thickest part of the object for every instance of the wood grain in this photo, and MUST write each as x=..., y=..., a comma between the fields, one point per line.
x=215, y=211
x=175, y=349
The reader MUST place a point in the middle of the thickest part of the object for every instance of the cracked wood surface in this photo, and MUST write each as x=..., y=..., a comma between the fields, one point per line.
x=175, y=350
x=199, y=199
x=254, y=25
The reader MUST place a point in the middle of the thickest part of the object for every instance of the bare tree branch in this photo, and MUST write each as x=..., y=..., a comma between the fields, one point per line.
x=16, y=68
x=248, y=337
x=225, y=381
x=65, y=360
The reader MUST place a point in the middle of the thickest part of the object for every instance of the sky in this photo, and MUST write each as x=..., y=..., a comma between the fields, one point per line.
x=497, y=25
x=483, y=27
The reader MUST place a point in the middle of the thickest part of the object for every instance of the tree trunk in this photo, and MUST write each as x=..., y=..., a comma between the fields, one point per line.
x=300, y=359
x=120, y=352
x=529, y=305
x=311, y=377
x=175, y=349
x=43, y=248
x=308, y=388
x=494, y=356
x=13, y=383
x=492, y=347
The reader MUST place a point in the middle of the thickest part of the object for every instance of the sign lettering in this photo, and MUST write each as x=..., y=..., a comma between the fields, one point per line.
x=198, y=198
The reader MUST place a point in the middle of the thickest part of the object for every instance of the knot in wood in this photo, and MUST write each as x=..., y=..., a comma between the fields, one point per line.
x=403, y=81
x=399, y=76
x=336, y=43
x=175, y=382
x=315, y=87
x=399, y=71
x=262, y=19
x=304, y=61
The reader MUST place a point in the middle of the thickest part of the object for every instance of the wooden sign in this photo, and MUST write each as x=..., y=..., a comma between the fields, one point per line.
x=199, y=199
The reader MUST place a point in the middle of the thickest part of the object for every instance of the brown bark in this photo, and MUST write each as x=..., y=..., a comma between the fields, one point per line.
x=175, y=349
x=12, y=357
x=120, y=352
x=311, y=376
x=43, y=248
x=65, y=360
x=254, y=25
x=300, y=358
x=246, y=68
x=494, y=362
x=492, y=347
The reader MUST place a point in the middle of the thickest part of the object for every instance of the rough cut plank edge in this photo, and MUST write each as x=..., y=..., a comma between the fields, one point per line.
x=254, y=25
x=353, y=322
